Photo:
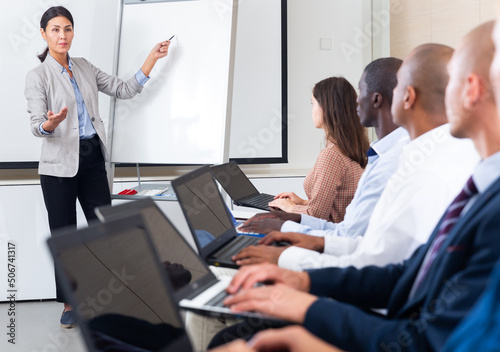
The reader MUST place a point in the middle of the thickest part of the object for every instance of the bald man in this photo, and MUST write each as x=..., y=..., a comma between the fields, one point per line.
x=432, y=170
x=431, y=292
x=473, y=114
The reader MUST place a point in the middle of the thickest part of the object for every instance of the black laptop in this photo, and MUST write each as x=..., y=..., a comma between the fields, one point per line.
x=239, y=187
x=191, y=283
x=112, y=276
x=170, y=245
x=209, y=218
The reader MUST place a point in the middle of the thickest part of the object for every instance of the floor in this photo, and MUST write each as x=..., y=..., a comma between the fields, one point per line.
x=37, y=329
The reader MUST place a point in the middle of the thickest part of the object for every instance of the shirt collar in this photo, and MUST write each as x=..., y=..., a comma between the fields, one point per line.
x=427, y=142
x=487, y=172
x=385, y=144
x=70, y=65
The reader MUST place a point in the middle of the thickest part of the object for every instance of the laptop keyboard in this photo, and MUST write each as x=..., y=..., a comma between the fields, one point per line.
x=234, y=247
x=260, y=201
x=218, y=299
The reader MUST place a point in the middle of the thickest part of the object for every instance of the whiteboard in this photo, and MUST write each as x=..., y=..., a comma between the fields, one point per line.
x=257, y=87
x=180, y=117
x=18, y=32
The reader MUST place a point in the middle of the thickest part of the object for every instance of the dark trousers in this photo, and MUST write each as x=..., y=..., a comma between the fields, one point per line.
x=89, y=186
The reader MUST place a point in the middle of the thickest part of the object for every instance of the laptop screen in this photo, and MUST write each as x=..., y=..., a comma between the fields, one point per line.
x=114, y=279
x=187, y=271
x=205, y=211
x=234, y=181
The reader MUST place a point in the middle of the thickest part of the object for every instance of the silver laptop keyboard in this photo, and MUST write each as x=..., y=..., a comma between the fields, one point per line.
x=218, y=299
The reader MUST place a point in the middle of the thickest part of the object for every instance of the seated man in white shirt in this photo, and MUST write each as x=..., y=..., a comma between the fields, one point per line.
x=376, y=86
x=432, y=171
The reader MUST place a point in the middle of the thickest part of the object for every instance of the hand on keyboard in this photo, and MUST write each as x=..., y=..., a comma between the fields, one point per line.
x=258, y=254
x=295, y=239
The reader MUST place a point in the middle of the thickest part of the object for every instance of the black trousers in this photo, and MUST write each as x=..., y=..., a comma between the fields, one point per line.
x=89, y=186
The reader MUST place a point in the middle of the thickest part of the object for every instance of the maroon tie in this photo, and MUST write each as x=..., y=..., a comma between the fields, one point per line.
x=450, y=219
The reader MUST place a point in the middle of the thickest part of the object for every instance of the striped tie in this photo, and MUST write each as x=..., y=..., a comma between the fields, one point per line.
x=450, y=219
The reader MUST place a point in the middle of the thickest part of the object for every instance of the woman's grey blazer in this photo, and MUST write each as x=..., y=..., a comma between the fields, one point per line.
x=47, y=88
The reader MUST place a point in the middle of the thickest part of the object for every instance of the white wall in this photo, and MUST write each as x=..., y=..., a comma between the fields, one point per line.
x=347, y=24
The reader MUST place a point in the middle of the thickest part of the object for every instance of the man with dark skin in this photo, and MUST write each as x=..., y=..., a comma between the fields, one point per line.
x=374, y=108
x=427, y=179
x=376, y=85
x=427, y=295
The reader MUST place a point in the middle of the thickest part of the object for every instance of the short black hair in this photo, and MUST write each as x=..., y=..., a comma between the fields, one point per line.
x=380, y=76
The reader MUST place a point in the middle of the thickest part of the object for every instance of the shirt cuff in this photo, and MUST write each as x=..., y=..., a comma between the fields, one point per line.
x=315, y=223
x=141, y=77
x=292, y=226
x=298, y=259
x=42, y=131
x=340, y=246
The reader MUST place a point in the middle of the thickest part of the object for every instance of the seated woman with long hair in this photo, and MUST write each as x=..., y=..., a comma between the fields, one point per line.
x=331, y=184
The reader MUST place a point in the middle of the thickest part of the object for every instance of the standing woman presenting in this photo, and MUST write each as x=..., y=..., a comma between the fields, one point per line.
x=331, y=184
x=62, y=94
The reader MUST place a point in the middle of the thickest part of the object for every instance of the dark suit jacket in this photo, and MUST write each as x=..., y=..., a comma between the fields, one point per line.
x=480, y=330
x=452, y=285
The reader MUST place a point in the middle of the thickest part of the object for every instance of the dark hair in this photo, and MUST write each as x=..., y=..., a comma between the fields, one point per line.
x=381, y=77
x=54, y=11
x=341, y=123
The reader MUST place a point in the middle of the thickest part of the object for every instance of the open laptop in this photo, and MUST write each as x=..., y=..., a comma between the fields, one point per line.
x=190, y=282
x=209, y=219
x=239, y=187
x=112, y=277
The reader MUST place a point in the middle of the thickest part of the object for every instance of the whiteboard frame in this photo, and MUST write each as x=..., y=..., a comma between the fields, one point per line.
x=284, y=93
x=284, y=99
x=262, y=160
x=110, y=164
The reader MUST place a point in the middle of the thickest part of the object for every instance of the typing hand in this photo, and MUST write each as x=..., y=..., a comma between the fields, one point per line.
x=235, y=346
x=295, y=239
x=262, y=225
x=258, y=254
x=293, y=197
x=284, y=204
x=250, y=275
x=274, y=300
x=275, y=215
x=293, y=339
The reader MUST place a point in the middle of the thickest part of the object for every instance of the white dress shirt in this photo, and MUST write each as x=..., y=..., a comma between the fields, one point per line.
x=370, y=187
x=433, y=169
